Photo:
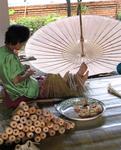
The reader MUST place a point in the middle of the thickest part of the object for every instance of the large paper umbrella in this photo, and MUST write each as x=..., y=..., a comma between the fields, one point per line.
x=59, y=46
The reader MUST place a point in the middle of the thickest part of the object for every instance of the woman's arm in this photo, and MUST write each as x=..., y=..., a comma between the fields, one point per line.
x=21, y=78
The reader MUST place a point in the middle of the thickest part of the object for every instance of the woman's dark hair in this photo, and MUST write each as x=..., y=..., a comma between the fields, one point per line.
x=16, y=33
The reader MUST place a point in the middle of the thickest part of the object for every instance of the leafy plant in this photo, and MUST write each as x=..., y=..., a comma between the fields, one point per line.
x=34, y=23
x=11, y=11
x=118, y=16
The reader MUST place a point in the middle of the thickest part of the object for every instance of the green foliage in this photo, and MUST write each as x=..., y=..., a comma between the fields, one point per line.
x=84, y=9
x=34, y=23
x=118, y=16
x=11, y=11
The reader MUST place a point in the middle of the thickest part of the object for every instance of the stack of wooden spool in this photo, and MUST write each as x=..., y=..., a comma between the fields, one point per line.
x=32, y=123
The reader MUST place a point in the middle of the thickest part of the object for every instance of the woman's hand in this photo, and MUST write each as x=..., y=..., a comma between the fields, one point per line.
x=23, y=77
x=29, y=72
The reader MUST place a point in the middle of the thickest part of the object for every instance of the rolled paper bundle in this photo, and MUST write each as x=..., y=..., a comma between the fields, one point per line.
x=45, y=129
x=23, y=120
x=47, y=119
x=37, y=123
x=43, y=135
x=22, y=104
x=67, y=125
x=38, y=130
x=25, y=108
x=60, y=121
x=45, y=112
x=72, y=124
x=41, y=118
x=37, y=138
x=21, y=134
x=61, y=130
x=50, y=125
x=9, y=130
x=17, y=140
x=4, y=136
x=32, y=128
x=16, y=118
x=11, y=138
x=26, y=114
x=32, y=110
x=33, y=118
x=42, y=124
x=15, y=132
x=56, y=127
x=20, y=112
x=1, y=141
x=20, y=126
x=13, y=124
x=29, y=122
x=51, y=132
x=26, y=128
x=30, y=135
x=38, y=112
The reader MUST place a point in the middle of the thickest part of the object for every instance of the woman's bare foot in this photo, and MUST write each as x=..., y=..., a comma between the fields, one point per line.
x=82, y=73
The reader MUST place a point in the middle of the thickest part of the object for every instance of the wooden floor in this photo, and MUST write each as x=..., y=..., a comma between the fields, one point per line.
x=103, y=133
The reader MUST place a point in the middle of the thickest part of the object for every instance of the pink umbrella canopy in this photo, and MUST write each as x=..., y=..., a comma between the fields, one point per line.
x=58, y=46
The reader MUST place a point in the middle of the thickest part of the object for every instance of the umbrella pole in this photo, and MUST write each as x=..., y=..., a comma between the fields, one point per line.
x=81, y=30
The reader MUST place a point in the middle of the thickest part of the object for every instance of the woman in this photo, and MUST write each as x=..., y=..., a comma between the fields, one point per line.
x=17, y=79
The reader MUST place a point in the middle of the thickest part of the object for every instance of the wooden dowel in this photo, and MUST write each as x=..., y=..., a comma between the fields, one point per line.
x=41, y=118
x=13, y=124
x=25, y=128
x=9, y=130
x=33, y=118
x=11, y=138
x=55, y=127
x=42, y=124
x=50, y=125
x=22, y=104
x=37, y=123
x=43, y=135
x=16, y=118
x=38, y=130
x=51, y=132
x=37, y=139
x=45, y=129
x=29, y=122
x=20, y=112
x=25, y=108
x=15, y=132
x=21, y=134
x=32, y=110
x=32, y=128
x=4, y=136
x=23, y=120
x=26, y=114
x=61, y=130
x=38, y=112
x=45, y=112
x=20, y=126
x=30, y=135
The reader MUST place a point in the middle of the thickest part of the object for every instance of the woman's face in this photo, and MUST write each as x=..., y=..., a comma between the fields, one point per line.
x=18, y=46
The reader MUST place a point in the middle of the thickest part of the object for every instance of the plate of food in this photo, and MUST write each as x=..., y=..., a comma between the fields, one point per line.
x=81, y=108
